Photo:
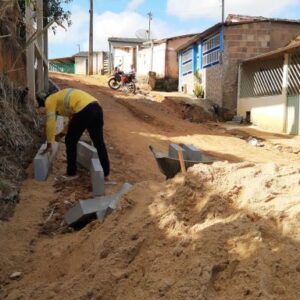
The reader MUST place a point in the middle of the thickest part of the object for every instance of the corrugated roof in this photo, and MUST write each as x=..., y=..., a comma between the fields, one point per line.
x=85, y=53
x=199, y=36
x=62, y=60
x=235, y=20
x=241, y=19
x=126, y=40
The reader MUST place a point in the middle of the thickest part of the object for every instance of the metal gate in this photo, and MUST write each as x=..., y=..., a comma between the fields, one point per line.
x=293, y=115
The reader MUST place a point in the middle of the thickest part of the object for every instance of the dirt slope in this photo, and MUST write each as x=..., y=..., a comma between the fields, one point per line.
x=227, y=231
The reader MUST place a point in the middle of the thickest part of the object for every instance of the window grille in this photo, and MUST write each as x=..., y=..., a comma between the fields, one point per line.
x=212, y=43
x=187, y=62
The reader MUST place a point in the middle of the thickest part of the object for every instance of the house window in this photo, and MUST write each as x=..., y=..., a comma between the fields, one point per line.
x=187, y=62
x=211, y=51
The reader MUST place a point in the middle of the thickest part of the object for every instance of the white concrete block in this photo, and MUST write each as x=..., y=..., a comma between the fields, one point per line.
x=97, y=177
x=192, y=153
x=97, y=208
x=85, y=153
x=42, y=162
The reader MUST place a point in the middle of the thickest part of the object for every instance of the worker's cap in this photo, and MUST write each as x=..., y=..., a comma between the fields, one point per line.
x=41, y=98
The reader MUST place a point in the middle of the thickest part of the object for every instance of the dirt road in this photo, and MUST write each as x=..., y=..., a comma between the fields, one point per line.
x=51, y=262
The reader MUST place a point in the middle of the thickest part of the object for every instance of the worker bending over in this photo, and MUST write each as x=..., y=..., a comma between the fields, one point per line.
x=84, y=112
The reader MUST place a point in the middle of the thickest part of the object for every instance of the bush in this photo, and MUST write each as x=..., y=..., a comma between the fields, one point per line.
x=198, y=87
x=198, y=90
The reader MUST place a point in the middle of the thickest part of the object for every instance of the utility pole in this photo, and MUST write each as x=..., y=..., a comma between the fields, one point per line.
x=150, y=15
x=90, y=59
x=40, y=41
x=78, y=45
x=223, y=11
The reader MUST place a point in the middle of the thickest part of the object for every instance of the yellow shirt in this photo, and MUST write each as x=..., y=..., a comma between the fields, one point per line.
x=65, y=102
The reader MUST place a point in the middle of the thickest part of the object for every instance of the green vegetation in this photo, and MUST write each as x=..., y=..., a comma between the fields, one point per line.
x=198, y=87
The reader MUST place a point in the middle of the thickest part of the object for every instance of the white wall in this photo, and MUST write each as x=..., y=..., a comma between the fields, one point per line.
x=123, y=56
x=266, y=112
x=188, y=81
x=98, y=63
x=80, y=64
x=159, y=60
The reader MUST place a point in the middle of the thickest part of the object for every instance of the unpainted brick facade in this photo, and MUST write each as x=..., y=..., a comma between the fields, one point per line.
x=214, y=87
x=242, y=41
x=172, y=57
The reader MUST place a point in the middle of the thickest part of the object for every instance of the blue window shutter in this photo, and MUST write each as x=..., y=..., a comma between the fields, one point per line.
x=180, y=63
x=200, y=55
x=222, y=39
x=195, y=51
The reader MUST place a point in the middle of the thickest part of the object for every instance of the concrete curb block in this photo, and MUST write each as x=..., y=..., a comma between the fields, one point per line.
x=98, y=208
x=42, y=162
x=192, y=153
x=97, y=177
x=85, y=153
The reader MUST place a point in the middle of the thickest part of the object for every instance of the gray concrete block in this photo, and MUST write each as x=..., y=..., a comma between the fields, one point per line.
x=97, y=177
x=86, y=210
x=85, y=153
x=97, y=208
x=42, y=162
x=173, y=151
x=116, y=197
x=192, y=153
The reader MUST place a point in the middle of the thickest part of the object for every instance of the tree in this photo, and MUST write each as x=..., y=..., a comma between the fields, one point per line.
x=53, y=11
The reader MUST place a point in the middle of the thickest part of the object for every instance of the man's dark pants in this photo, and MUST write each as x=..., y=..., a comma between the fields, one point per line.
x=90, y=118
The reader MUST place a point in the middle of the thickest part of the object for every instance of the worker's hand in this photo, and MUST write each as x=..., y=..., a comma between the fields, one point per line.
x=59, y=136
x=48, y=149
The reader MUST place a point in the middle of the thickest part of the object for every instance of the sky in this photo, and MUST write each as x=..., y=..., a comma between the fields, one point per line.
x=124, y=18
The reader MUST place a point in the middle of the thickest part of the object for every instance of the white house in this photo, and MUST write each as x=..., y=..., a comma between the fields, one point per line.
x=100, y=61
x=123, y=52
x=157, y=63
x=159, y=57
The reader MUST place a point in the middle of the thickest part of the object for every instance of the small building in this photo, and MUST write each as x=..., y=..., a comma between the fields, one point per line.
x=62, y=65
x=215, y=54
x=159, y=56
x=269, y=89
x=123, y=52
x=164, y=60
x=100, y=62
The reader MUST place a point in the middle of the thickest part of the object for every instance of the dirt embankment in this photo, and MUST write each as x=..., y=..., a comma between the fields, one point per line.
x=226, y=231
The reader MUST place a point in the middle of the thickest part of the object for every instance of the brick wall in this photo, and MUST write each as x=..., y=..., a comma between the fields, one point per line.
x=248, y=40
x=214, y=89
x=171, y=56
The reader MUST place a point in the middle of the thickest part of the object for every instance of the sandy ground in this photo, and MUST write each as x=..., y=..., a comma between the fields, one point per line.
x=227, y=231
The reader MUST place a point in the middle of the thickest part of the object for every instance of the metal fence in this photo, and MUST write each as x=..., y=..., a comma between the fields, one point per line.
x=62, y=67
x=294, y=76
x=261, y=78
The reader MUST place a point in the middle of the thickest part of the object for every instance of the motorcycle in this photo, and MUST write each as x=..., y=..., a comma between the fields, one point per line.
x=120, y=79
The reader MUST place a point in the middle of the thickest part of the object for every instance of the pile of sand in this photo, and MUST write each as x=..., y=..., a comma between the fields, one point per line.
x=226, y=231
